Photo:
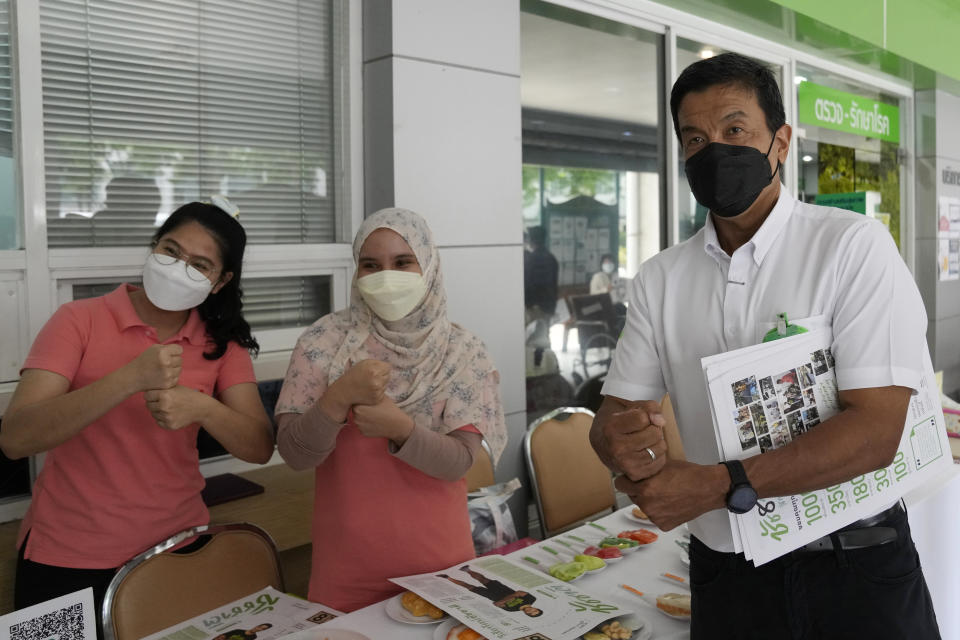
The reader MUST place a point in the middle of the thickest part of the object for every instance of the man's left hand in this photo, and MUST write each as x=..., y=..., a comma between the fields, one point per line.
x=680, y=492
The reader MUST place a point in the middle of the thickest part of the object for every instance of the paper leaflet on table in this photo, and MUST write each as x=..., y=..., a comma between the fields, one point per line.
x=284, y=613
x=568, y=611
x=765, y=395
x=69, y=616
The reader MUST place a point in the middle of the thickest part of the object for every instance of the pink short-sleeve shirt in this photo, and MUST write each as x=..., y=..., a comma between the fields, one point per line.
x=123, y=483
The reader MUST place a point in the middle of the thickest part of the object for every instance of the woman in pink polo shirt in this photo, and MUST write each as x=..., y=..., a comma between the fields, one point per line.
x=115, y=390
x=389, y=401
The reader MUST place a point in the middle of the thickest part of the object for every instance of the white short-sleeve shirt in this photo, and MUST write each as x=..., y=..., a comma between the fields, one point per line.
x=693, y=300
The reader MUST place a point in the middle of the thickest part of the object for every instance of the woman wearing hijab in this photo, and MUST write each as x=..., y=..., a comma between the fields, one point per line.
x=389, y=401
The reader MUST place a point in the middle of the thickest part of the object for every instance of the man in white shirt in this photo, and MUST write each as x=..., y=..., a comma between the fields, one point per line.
x=762, y=253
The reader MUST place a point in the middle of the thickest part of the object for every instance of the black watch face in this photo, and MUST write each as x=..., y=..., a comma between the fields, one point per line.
x=741, y=499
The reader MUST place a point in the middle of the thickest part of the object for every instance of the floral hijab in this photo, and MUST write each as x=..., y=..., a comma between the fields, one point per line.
x=434, y=360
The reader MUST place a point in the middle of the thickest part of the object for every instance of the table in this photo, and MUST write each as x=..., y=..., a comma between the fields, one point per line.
x=639, y=569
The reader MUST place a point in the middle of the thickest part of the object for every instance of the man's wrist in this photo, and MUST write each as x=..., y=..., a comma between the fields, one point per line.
x=716, y=483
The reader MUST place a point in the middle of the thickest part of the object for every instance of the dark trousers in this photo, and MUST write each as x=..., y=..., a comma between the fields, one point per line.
x=877, y=593
x=36, y=583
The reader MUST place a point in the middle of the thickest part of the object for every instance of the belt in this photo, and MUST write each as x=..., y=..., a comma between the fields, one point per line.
x=858, y=535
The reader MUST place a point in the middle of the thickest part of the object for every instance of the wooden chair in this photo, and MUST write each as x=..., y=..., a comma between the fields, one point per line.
x=569, y=481
x=160, y=588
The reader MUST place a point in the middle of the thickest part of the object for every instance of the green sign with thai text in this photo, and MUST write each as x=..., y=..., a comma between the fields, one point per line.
x=856, y=201
x=832, y=109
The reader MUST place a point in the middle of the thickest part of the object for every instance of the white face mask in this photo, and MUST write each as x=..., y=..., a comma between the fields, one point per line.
x=169, y=287
x=607, y=267
x=392, y=294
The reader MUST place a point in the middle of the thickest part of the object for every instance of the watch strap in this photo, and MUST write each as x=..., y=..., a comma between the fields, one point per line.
x=738, y=475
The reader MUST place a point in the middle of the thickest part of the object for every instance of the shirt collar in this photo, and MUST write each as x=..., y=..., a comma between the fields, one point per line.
x=765, y=236
x=118, y=302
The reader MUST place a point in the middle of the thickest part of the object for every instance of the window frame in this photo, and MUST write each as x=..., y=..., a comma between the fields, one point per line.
x=44, y=276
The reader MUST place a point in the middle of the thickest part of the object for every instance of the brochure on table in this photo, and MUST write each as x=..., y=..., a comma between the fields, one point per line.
x=764, y=396
x=267, y=614
x=493, y=595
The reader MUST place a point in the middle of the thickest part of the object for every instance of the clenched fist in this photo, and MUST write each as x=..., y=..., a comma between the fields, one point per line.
x=365, y=382
x=632, y=439
x=176, y=407
x=158, y=367
x=383, y=420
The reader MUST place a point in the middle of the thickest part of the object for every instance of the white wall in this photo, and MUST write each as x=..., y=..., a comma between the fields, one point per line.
x=442, y=138
x=938, y=150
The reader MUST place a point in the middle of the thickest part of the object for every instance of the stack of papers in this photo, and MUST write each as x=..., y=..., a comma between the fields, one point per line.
x=500, y=598
x=762, y=397
x=264, y=615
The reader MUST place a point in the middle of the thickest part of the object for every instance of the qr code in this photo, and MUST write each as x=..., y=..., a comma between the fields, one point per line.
x=64, y=624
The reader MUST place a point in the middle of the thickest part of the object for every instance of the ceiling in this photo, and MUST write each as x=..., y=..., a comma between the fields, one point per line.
x=582, y=71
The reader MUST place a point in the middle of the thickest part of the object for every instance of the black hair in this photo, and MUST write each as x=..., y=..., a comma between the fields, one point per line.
x=537, y=235
x=607, y=256
x=221, y=312
x=731, y=69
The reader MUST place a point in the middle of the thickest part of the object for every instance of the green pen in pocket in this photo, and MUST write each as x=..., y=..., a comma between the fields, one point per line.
x=783, y=329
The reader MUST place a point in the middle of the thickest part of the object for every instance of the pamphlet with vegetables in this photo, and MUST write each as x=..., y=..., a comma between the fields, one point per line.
x=263, y=615
x=502, y=599
x=763, y=397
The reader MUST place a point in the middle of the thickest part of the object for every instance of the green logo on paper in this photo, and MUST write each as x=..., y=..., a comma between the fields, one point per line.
x=832, y=109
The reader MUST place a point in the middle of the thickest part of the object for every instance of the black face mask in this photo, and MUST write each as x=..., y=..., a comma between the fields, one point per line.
x=727, y=179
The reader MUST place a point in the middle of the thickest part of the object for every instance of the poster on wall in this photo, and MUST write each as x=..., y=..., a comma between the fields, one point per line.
x=948, y=238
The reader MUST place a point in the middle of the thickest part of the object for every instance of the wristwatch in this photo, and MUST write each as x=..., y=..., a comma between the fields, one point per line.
x=742, y=496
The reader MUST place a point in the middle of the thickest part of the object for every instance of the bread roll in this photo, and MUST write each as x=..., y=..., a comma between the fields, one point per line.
x=676, y=604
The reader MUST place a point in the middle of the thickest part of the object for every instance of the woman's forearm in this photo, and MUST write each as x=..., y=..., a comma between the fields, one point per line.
x=306, y=439
x=446, y=457
x=43, y=415
x=244, y=434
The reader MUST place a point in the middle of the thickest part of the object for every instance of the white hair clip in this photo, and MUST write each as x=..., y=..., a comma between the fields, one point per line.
x=228, y=207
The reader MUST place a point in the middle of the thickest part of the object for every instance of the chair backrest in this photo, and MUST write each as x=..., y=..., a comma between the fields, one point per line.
x=160, y=588
x=569, y=481
x=594, y=307
x=481, y=473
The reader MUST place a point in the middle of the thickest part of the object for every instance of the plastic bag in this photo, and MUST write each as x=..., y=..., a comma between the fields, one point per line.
x=490, y=518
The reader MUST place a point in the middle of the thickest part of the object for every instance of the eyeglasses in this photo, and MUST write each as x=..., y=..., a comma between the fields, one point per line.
x=197, y=270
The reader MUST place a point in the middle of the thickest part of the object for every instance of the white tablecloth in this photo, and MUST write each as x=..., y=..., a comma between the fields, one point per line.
x=934, y=511
x=639, y=569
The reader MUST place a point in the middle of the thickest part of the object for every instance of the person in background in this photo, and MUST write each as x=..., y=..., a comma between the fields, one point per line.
x=389, y=401
x=607, y=280
x=540, y=286
x=115, y=389
x=760, y=254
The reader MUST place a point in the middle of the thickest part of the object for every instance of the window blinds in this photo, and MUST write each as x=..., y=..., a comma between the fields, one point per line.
x=6, y=93
x=148, y=105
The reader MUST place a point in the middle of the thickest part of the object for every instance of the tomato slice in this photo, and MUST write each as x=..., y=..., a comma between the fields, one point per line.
x=643, y=536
